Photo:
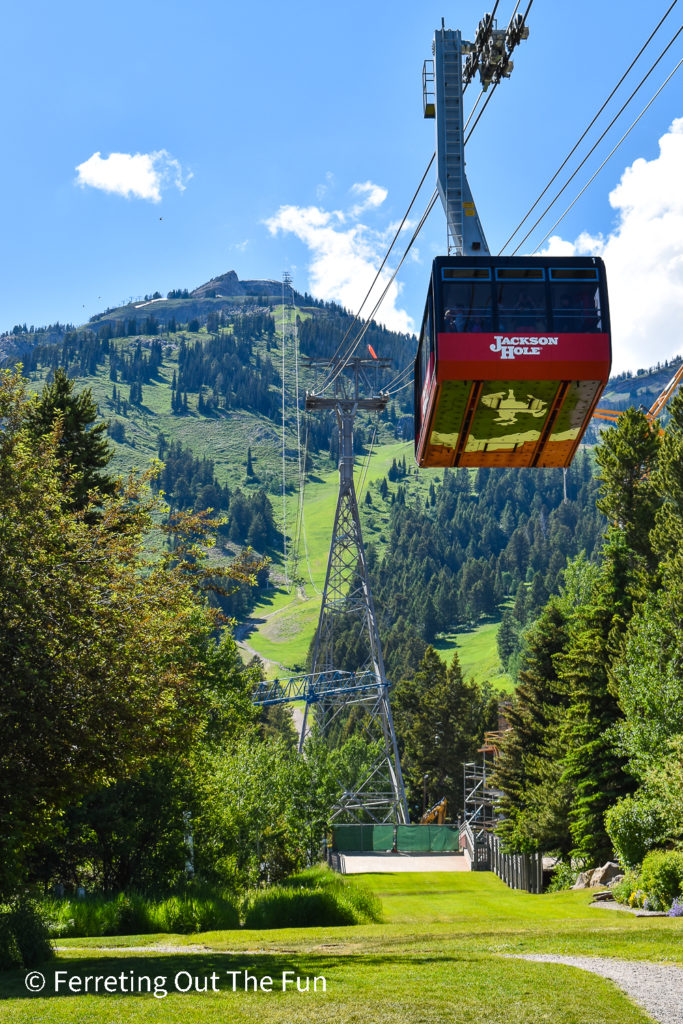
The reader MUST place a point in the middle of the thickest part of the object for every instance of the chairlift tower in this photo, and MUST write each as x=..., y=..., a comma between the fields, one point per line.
x=380, y=796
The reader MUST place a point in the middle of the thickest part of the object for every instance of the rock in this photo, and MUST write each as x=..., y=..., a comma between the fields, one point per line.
x=603, y=897
x=616, y=880
x=584, y=881
x=606, y=874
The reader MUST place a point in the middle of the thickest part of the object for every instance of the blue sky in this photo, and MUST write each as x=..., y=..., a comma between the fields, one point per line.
x=271, y=137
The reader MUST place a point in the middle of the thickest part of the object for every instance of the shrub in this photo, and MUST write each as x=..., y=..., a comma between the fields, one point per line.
x=10, y=955
x=313, y=897
x=131, y=915
x=676, y=908
x=635, y=825
x=366, y=905
x=174, y=915
x=139, y=915
x=628, y=885
x=280, y=907
x=563, y=877
x=662, y=876
x=24, y=936
x=217, y=913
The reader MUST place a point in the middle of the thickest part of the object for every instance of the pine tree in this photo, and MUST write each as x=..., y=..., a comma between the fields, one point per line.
x=82, y=446
x=535, y=716
x=506, y=640
x=594, y=767
x=440, y=720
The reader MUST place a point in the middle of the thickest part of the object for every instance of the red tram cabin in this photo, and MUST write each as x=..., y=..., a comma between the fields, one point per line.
x=514, y=354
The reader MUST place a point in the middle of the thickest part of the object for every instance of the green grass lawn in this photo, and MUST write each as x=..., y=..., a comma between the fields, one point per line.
x=478, y=654
x=441, y=955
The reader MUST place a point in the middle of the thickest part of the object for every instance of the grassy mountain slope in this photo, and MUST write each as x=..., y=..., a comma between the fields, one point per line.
x=283, y=622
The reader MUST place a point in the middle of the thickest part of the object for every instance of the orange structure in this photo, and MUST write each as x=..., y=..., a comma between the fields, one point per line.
x=657, y=407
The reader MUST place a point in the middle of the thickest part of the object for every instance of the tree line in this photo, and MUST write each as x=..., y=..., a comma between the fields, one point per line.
x=478, y=546
x=593, y=760
x=131, y=754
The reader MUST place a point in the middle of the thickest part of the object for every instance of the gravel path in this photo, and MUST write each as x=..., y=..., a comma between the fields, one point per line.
x=658, y=988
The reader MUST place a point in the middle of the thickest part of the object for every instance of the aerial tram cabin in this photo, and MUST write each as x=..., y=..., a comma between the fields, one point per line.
x=514, y=354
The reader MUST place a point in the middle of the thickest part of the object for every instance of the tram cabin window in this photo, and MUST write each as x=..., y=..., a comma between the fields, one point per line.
x=466, y=300
x=427, y=348
x=575, y=299
x=521, y=299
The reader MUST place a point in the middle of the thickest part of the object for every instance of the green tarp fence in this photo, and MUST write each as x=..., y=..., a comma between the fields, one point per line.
x=426, y=838
x=362, y=838
x=407, y=838
x=443, y=838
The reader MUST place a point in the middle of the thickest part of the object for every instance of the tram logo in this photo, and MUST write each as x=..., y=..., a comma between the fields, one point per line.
x=509, y=407
x=510, y=348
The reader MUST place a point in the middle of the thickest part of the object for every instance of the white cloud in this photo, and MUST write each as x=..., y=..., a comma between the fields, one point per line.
x=644, y=257
x=345, y=254
x=138, y=175
x=371, y=195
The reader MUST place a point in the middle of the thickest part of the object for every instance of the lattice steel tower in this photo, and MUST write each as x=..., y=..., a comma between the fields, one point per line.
x=347, y=600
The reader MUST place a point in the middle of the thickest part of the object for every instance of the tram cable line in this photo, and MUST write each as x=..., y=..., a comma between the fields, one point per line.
x=408, y=384
x=381, y=268
x=469, y=135
x=597, y=143
x=367, y=461
x=284, y=450
x=399, y=378
x=301, y=523
x=296, y=389
x=588, y=128
x=359, y=337
x=609, y=155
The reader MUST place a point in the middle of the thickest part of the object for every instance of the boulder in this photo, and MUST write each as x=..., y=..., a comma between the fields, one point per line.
x=606, y=874
x=584, y=881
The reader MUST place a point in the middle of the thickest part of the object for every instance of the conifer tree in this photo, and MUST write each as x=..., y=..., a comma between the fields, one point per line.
x=440, y=720
x=506, y=639
x=82, y=446
x=535, y=716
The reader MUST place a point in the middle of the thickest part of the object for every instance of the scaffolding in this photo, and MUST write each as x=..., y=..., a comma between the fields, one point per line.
x=480, y=796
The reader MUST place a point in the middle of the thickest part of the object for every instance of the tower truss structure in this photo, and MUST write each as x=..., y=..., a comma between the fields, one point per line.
x=347, y=603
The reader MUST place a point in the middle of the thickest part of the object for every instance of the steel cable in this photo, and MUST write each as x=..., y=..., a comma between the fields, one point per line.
x=585, y=133
x=597, y=143
x=608, y=157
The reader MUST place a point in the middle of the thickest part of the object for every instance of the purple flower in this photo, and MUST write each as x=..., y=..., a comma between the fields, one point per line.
x=676, y=908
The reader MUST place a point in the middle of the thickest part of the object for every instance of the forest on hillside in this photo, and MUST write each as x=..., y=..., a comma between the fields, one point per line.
x=226, y=368
x=593, y=762
x=480, y=546
x=489, y=545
